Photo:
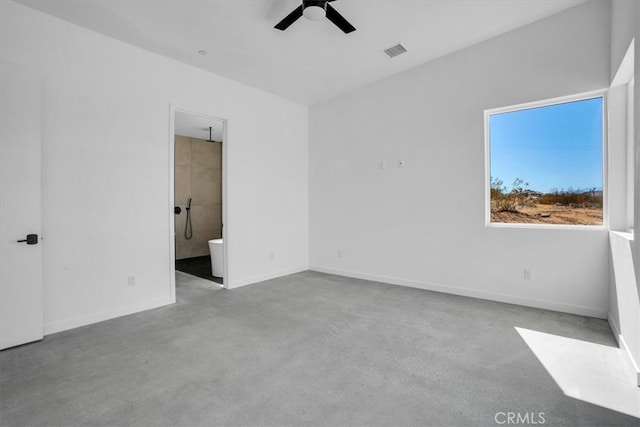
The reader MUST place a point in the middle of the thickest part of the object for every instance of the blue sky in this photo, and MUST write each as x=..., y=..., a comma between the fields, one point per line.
x=557, y=146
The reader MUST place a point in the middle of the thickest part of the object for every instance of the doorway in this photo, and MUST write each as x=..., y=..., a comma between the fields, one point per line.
x=198, y=196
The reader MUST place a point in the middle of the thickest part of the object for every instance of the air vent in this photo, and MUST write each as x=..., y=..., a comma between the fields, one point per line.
x=395, y=50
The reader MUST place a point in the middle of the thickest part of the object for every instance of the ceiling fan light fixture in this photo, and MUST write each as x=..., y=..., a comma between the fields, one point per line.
x=316, y=10
x=314, y=13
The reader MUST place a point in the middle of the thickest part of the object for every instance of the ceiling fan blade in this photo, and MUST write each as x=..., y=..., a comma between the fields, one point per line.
x=336, y=18
x=290, y=19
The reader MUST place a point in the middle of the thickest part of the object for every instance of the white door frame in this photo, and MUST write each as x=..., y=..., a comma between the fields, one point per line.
x=202, y=111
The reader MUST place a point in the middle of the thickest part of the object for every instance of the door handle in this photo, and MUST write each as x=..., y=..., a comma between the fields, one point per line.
x=32, y=239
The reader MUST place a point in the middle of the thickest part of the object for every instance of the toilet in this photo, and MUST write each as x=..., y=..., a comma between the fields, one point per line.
x=217, y=254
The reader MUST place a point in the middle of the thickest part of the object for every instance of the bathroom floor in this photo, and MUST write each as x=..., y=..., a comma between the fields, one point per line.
x=198, y=266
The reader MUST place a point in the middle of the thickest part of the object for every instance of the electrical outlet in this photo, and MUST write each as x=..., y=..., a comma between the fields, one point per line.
x=339, y=254
x=400, y=164
x=527, y=274
x=272, y=256
x=131, y=281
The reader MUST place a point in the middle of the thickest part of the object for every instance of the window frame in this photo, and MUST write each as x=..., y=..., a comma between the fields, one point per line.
x=601, y=93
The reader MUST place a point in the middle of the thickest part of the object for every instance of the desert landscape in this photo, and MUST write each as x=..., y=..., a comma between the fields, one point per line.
x=564, y=207
x=546, y=214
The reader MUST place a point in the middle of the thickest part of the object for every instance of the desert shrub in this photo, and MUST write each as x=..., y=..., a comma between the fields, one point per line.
x=508, y=201
x=505, y=199
x=497, y=188
x=573, y=198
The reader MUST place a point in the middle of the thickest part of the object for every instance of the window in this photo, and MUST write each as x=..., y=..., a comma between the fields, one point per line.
x=545, y=162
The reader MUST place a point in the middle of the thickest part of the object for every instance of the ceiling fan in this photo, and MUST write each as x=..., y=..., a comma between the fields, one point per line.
x=316, y=10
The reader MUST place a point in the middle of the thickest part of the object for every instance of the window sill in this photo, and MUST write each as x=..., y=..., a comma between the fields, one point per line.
x=624, y=234
x=546, y=226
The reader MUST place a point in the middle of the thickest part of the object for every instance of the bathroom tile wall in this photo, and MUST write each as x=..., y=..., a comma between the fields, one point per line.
x=198, y=175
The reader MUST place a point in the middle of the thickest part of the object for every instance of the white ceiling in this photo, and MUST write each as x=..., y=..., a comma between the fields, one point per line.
x=196, y=126
x=310, y=61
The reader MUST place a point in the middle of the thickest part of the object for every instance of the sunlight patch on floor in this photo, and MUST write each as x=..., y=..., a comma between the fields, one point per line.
x=594, y=373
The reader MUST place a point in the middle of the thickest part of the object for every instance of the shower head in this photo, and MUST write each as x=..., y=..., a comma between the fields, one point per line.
x=211, y=135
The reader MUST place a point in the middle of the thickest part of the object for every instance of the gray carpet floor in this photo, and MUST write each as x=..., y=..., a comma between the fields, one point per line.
x=305, y=349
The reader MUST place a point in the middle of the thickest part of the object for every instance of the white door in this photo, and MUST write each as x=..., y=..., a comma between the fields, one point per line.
x=20, y=207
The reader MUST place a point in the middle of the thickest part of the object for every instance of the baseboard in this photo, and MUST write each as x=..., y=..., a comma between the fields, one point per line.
x=76, y=322
x=506, y=298
x=267, y=276
x=623, y=346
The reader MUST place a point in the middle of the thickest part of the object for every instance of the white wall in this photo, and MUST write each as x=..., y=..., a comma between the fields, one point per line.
x=624, y=18
x=636, y=183
x=106, y=170
x=624, y=305
x=617, y=106
x=625, y=15
x=423, y=225
x=624, y=317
